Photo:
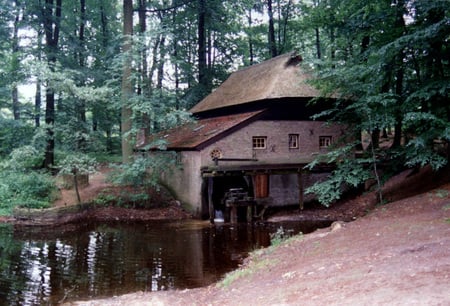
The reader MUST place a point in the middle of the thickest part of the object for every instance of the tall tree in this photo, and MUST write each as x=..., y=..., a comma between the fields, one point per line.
x=51, y=12
x=127, y=86
x=202, y=51
x=272, y=42
x=16, y=61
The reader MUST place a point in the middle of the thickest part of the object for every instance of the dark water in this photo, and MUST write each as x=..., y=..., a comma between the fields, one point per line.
x=46, y=266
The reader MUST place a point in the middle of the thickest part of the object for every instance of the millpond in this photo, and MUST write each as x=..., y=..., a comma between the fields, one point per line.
x=51, y=265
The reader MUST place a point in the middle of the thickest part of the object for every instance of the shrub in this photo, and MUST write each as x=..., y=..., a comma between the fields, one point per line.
x=13, y=134
x=23, y=159
x=31, y=190
x=143, y=171
x=22, y=185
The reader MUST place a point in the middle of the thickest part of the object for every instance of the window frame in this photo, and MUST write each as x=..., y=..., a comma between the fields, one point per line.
x=293, y=141
x=325, y=141
x=259, y=142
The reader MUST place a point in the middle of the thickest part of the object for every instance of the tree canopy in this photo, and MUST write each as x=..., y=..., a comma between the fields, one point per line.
x=389, y=63
x=80, y=76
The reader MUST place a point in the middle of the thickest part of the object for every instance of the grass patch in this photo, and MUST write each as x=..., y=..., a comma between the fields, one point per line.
x=253, y=267
x=258, y=260
x=441, y=193
x=280, y=236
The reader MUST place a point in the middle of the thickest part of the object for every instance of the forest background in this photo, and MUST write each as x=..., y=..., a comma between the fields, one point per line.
x=80, y=78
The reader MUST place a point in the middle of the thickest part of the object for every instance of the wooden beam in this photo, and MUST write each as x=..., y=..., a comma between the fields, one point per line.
x=210, y=200
x=300, y=190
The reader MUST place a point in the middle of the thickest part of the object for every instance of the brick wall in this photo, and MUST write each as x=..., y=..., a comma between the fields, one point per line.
x=186, y=183
x=239, y=144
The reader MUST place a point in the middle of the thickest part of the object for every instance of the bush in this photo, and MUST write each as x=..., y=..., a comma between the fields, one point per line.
x=23, y=159
x=143, y=171
x=31, y=190
x=21, y=184
x=13, y=134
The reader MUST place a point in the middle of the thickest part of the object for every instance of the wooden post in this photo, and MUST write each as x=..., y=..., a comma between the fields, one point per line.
x=210, y=200
x=233, y=217
x=300, y=189
x=249, y=212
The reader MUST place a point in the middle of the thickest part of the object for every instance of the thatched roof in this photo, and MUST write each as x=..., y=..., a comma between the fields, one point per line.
x=198, y=134
x=279, y=77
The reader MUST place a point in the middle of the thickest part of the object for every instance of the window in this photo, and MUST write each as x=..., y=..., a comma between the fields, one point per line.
x=259, y=142
x=293, y=141
x=324, y=141
x=215, y=154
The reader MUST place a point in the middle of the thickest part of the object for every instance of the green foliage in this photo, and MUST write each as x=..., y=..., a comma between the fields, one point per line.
x=388, y=65
x=23, y=159
x=77, y=164
x=13, y=134
x=419, y=153
x=128, y=198
x=279, y=236
x=442, y=193
x=105, y=199
x=349, y=172
x=21, y=184
x=144, y=171
x=30, y=190
x=255, y=266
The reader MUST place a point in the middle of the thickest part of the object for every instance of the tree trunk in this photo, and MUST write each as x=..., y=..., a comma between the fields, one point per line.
x=15, y=64
x=202, y=74
x=145, y=83
x=38, y=94
x=160, y=72
x=81, y=61
x=75, y=184
x=176, y=66
x=49, y=159
x=375, y=139
x=127, y=87
x=399, y=76
x=272, y=43
x=52, y=18
x=318, y=49
x=250, y=38
x=37, y=104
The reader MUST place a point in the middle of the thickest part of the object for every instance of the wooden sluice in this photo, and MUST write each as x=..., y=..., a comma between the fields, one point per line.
x=236, y=198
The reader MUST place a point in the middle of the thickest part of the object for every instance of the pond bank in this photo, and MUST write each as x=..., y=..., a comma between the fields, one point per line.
x=91, y=212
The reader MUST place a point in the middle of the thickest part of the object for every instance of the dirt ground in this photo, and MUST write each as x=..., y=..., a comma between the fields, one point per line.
x=394, y=254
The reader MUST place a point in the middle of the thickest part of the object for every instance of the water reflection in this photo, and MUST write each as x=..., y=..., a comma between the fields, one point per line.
x=47, y=266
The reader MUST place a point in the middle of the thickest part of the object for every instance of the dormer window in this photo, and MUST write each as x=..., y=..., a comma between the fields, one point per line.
x=259, y=142
x=293, y=141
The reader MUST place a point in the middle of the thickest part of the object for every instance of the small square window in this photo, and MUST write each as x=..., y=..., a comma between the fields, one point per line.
x=259, y=142
x=324, y=141
x=293, y=141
